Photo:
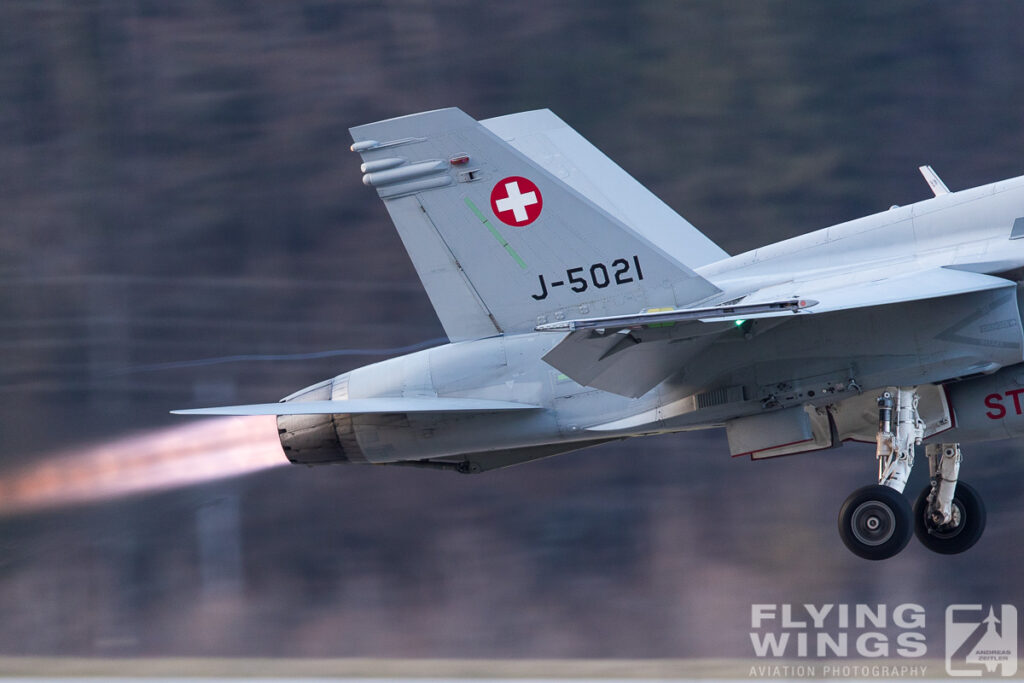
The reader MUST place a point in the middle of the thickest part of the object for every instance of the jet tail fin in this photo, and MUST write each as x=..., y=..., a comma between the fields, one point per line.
x=503, y=245
x=565, y=154
x=550, y=142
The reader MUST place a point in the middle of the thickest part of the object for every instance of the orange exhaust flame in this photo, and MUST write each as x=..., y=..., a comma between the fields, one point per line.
x=178, y=456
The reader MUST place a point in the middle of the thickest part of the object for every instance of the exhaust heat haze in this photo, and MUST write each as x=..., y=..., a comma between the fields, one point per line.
x=178, y=456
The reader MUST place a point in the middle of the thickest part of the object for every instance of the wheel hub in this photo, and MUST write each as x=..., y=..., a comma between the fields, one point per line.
x=873, y=523
x=950, y=529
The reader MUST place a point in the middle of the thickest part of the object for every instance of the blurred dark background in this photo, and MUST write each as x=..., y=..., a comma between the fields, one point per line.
x=176, y=185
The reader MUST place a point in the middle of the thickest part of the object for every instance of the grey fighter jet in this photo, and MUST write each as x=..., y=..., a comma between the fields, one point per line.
x=581, y=310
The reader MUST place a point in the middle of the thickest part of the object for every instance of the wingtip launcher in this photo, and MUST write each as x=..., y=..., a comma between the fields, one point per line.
x=713, y=313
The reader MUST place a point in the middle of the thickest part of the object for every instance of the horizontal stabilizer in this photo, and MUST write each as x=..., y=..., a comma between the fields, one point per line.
x=364, y=405
x=625, y=364
x=603, y=353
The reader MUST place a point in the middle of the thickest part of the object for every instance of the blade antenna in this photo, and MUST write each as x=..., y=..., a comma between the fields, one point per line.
x=933, y=180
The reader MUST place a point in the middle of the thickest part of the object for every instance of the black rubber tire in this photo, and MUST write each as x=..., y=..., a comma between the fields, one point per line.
x=876, y=522
x=953, y=540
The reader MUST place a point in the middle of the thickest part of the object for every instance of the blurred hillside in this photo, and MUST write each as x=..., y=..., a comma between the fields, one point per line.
x=176, y=185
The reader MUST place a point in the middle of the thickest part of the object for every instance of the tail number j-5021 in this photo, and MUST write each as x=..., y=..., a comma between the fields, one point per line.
x=598, y=275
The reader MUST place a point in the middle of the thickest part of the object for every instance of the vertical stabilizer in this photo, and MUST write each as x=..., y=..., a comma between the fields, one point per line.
x=500, y=243
x=551, y=142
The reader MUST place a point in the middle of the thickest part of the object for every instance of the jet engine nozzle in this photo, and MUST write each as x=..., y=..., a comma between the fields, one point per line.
x=319, y=439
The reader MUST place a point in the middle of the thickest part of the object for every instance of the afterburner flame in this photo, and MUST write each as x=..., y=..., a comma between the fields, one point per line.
x=179, y=456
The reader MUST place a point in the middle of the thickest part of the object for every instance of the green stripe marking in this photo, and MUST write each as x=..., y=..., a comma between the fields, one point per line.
x=497, y=235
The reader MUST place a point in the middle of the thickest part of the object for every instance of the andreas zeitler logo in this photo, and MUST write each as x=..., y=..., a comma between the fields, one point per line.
x=981, y=640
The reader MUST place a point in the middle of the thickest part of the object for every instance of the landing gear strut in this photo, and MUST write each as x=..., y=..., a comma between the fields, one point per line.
x=949, y=516
x=876, y=522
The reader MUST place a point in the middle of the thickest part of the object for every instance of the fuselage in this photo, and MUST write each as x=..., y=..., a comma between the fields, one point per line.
x=969, y=229
x=768, y=365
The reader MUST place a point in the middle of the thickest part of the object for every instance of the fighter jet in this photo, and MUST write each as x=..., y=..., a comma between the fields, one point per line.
x=581, y=310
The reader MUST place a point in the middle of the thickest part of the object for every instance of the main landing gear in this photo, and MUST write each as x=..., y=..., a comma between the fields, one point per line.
x=876, y=521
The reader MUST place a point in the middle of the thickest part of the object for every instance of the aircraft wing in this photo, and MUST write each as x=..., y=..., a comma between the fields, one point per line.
x=364, y=405
x=631, y=354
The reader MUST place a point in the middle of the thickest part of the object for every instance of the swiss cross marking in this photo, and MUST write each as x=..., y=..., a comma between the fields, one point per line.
x=516, y=201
